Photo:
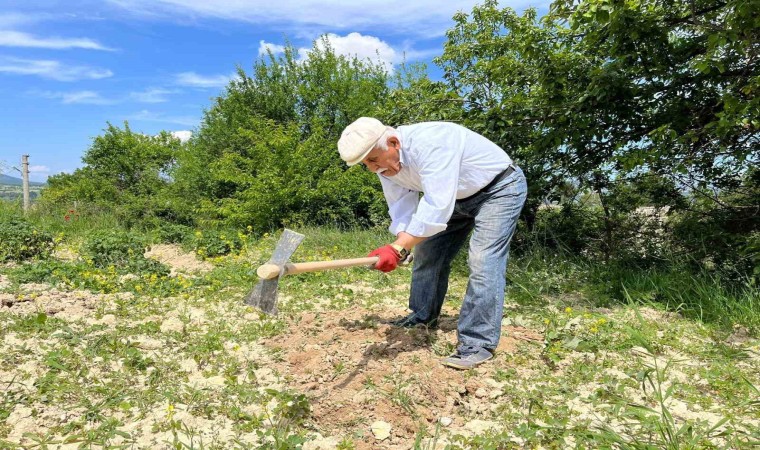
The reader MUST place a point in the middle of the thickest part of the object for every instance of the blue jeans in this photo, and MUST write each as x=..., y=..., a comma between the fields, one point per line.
x=492, y=216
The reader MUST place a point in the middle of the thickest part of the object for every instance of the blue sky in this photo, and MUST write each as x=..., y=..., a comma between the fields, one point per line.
x=68, y=67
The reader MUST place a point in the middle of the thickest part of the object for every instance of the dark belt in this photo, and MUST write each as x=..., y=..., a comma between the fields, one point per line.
x=504, y=174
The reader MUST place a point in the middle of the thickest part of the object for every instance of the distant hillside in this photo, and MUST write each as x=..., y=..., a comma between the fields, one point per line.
x=13, y=181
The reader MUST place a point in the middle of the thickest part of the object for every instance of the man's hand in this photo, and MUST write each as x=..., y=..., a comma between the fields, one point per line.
x=389, y=258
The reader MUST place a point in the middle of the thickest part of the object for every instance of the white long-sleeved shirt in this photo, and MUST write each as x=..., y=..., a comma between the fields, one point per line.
x=445, y=162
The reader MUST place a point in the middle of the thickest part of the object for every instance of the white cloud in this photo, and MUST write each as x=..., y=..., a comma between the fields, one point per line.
x=11, y=20
x=151, y=116
x=266, y=47
x=89, y=97
x=53, y=70
x=80, y=97
x=359, y=46
x=39, y=169
x=403, y=17
x=182, y=135
x=203, y=81
x=363, y=47
x=10, y=38
x=152, y=95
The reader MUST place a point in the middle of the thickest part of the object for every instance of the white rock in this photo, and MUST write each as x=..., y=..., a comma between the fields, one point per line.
x=381, y=430
x=172, y=324
x=147, y=343
x=445, y=421
x=434, y=444
x=479, y=426
x=640, y=351
x=108, y=319
x=320, y=443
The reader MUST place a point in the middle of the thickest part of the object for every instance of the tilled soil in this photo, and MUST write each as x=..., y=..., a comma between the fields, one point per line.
x=356, y=369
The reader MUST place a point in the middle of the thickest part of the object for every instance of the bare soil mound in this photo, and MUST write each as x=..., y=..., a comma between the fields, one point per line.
x=356, y=369
x=178, y=260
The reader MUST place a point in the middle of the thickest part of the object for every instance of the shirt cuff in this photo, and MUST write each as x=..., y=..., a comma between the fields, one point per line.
x=397, y=227
x=424, y=229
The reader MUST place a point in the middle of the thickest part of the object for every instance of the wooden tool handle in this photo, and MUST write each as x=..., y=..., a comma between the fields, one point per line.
x=269, y=271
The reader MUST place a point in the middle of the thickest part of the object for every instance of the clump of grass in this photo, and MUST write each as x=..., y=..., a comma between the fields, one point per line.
x=699, y=296
x=538, y=276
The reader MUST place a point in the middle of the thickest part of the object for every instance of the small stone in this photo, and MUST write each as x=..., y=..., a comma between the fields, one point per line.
x=435, y=444
x=445, y=421
x=481, y=393
x=146, y=343
x=321, y=443
x=479, y=426
x=360, y=397
x=172, y=324
x=381, y=430
x=640, y=351
x=108, y=319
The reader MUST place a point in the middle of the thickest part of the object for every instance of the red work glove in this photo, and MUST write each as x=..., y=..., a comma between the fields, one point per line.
x=389, y=258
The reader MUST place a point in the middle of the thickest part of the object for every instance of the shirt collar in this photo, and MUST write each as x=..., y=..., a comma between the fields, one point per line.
x=402, y=156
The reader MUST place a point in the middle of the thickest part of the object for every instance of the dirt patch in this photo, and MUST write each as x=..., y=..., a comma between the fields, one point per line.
x=176, y=259
x=356, y=370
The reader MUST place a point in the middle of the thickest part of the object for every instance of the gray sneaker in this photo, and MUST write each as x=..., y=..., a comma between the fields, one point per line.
x=467, y=358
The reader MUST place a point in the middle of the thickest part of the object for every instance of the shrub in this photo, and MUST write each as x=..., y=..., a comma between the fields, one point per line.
x=20, y=240
x=112, y=248
x=721, y=235
x=121, y=249
x=172, y=233
x=211, y=243
x=573, y=228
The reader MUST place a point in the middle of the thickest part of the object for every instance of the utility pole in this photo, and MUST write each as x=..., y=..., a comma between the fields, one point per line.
x=25, y=181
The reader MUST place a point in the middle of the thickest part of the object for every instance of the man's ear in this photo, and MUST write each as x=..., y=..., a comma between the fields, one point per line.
x=393, y=142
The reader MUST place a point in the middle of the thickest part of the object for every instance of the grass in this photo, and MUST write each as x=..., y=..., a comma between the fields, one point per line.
x=699, y=296
x=185, y=356
x=673, y=287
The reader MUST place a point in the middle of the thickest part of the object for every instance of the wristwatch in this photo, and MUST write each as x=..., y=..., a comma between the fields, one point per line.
x=401, y=251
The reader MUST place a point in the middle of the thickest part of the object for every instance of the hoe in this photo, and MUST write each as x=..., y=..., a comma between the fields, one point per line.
x=264, y=295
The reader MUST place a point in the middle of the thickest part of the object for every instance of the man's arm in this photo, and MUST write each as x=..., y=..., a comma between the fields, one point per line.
x=408, y=241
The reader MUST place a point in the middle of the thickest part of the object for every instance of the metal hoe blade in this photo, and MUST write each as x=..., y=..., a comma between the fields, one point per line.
x=264, y=295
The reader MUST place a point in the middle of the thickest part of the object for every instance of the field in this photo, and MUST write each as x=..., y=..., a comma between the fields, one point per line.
x=179, y=361
x=15, y=193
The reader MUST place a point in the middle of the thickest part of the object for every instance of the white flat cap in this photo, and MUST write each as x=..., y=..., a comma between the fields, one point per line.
x=359, y=138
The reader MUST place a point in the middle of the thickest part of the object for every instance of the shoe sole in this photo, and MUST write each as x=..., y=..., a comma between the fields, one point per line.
x=454, y=365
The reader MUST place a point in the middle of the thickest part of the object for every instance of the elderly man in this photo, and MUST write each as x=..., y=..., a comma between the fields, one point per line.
x=468, y=184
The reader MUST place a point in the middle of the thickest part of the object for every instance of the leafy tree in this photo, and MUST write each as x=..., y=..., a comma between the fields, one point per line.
x=414, y=98
x=606, y=87
x=511, y=74
x=125, y=173
x=265, y=152
x=598, y=92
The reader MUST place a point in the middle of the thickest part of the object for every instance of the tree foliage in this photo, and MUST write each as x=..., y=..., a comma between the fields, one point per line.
x=600, y=89
x=124, y=174
x=265, y=152
x=620, y=103
x=613, y=95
